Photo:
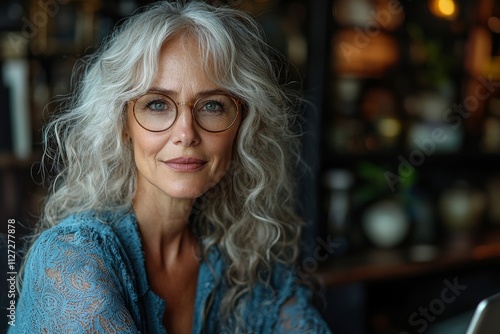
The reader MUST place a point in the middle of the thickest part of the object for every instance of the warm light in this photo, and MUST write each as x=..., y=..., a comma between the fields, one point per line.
x=358, y=54
x=494, y=24
x=443, y=8
x=447, y=7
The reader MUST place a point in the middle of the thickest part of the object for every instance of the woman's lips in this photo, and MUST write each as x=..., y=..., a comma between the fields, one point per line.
x=185, y=164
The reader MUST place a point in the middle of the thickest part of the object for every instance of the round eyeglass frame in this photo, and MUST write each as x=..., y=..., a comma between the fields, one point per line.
x=192, y=106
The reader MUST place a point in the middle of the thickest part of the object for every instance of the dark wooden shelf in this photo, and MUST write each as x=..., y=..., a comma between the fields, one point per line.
x=377, y=265
x=465, y=159
x=10, y=161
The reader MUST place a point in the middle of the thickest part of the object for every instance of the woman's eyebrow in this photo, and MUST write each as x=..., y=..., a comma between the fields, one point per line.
x=173, y=93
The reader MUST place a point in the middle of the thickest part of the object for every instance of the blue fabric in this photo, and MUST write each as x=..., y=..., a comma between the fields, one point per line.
x=87, y=275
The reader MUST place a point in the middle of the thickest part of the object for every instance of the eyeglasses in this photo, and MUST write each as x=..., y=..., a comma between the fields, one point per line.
x=157, y=112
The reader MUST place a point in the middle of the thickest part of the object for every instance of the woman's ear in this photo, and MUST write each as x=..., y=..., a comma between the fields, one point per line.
x=125, y=131
x=126, y=135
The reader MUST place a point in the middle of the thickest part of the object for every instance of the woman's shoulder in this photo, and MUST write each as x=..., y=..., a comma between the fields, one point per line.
x=87, y=224
x=80, y=266
x=89, y=232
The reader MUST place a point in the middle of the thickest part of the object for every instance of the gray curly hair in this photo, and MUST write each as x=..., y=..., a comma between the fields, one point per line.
x=250, y=214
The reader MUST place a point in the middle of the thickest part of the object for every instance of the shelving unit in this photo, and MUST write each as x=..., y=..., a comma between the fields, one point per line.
x=402, y=101
x=397, y=71
x=42, y=40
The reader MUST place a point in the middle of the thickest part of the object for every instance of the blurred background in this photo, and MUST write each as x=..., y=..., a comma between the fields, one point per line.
x=402, y=198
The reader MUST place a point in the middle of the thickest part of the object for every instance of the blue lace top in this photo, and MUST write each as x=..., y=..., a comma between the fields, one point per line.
x=87, y=275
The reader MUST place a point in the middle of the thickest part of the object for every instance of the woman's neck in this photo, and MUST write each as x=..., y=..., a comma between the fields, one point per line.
x=170, y=251
x=164, y=226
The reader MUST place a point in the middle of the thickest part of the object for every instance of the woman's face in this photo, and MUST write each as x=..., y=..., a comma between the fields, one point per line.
x=183, y=161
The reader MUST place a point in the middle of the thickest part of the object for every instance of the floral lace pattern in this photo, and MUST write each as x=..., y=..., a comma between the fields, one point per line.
x=88, y=276
x=71, y=288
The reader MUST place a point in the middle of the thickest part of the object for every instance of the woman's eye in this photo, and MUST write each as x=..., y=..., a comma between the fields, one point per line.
x=213, y=106
x=157, y=106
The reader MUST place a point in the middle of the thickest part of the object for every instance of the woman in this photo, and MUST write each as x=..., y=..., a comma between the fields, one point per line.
x=172, y=208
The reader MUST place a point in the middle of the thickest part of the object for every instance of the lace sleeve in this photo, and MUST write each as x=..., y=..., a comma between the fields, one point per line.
x=298, y=316
x=71, y=285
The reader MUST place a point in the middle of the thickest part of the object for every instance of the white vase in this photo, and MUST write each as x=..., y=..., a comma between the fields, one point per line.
x=386, y=224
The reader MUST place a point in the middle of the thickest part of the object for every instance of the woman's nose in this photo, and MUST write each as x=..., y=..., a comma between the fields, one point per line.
x=185, y=130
